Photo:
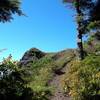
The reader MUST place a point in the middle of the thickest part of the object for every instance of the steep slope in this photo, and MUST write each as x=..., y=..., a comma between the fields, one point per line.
x=48, y=70
x=62, y=59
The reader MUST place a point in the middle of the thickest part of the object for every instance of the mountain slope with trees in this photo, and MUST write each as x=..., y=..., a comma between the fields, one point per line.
x=62, y=75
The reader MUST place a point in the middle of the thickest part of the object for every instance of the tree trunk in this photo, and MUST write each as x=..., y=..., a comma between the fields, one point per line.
x=80, y=46
x=79, y=36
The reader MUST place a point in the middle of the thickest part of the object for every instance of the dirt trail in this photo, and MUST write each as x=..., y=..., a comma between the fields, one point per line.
x=56, y=82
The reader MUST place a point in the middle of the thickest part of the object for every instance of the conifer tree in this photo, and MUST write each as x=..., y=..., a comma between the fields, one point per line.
x=83, y=8
x=8, y=8
x=94, y=23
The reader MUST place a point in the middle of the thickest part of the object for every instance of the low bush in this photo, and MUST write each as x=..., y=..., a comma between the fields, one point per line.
x=41, y=72
x=12, y=84
x=82, y=81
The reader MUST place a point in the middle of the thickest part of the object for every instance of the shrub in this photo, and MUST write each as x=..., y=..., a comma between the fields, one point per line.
x=12, y=84
x=83, y=79
x=41, y=73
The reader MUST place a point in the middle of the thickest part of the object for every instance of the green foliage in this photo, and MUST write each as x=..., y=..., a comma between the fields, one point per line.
x=79, y=18
x=15, y=83
x=83, y=79
x=12, y=84
x=95, y=15
x=97, y=48
x=8, y=8
x=93, y=25
x=41, y=73
x=92, y=45
x=91, y=38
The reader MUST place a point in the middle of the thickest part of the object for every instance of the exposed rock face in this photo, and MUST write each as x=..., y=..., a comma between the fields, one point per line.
x=31, y=55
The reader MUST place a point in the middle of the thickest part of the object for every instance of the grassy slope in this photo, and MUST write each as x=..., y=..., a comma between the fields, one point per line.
x=44, y=69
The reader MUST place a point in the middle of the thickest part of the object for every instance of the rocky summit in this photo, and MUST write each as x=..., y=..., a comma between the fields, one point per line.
x=31, y=55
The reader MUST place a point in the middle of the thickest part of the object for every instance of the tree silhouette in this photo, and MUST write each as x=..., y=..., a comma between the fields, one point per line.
x=83, y=8
x=8, y=8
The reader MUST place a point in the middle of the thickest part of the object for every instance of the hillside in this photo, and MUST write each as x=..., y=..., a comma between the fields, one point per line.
x=70, y=74
x=52, y=76
x=48, y=69
x=51, y=73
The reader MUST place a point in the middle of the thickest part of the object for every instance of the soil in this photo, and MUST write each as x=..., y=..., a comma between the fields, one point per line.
x=56, y=83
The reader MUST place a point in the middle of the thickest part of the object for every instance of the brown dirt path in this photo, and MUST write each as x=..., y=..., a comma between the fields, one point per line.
x=56, y=83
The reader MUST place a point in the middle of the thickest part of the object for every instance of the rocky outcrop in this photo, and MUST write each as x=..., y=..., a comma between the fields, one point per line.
x=30, y=56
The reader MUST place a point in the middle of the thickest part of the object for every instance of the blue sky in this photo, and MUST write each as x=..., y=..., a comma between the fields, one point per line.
x=49, y=26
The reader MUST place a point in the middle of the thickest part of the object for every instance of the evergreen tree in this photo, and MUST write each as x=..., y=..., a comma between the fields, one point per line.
x=95, y=12
x=8, y=8
x=94, y=23
x=83, y=8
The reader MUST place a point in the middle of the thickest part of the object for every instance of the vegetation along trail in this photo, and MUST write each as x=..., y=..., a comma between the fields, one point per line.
x=57, y=83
